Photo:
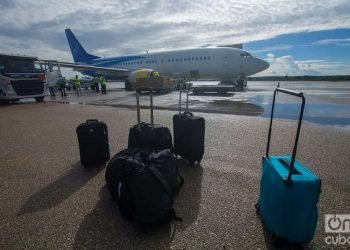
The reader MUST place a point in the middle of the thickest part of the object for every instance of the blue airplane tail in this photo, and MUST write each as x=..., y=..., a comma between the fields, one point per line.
x=78, y=52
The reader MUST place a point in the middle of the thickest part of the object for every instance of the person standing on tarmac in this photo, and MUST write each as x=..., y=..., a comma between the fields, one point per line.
x=61, y=82
x=51, y=82
x=77, y=84
x=95, y=81
x=103, y=85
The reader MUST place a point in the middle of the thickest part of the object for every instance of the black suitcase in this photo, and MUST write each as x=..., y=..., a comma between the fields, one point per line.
x=189, y=131
x=149, y=135
x=93, y=142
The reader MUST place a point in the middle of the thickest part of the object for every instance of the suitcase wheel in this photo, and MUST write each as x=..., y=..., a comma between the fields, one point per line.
x=257, y=208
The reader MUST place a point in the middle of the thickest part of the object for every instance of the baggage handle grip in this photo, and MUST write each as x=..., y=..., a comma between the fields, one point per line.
x=183, y=91
x=288, y=180
x=289, y=92
x=91, y=120
x=138, y=91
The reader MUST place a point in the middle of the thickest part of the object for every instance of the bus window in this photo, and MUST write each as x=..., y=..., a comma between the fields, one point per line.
x=37, y=65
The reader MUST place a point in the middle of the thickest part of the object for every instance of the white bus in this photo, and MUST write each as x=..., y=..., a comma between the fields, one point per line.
x=21, y=77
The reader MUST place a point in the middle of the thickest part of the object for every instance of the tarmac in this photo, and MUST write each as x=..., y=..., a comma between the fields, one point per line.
x=49, y=201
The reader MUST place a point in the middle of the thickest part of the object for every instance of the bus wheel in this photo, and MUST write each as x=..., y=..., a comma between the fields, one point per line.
x=39, y=99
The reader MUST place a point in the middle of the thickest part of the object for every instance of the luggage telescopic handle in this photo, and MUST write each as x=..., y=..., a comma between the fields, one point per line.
x=288, y=181
x=180, y=104
x=138, y=90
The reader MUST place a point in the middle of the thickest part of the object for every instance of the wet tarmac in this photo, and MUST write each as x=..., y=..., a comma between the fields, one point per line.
x=50, y=201
x=327, y=103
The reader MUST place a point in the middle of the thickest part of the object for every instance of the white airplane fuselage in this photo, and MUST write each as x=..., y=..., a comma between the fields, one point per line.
x=201, y=63
x=217, y=63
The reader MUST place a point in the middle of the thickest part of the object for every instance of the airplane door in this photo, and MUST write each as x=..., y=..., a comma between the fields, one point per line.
x=226, y=60
x=241, y=64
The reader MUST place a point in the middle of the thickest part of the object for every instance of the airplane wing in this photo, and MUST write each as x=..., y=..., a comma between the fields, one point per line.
x=98, y=70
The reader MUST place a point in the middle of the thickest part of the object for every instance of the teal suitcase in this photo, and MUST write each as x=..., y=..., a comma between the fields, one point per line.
x=289, y=191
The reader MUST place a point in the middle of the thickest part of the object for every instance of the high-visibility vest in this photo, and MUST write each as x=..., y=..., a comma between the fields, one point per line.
x=77, y=81
x=102, y=80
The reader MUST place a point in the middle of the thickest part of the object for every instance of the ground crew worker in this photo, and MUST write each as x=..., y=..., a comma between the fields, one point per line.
x=155, y=74
x=95, y=81
x=77, y=84
x=61, y=82
x=103, y=85
x=51, y=82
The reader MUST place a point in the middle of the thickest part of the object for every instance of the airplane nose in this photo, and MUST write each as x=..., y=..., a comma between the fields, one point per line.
x=263, y=65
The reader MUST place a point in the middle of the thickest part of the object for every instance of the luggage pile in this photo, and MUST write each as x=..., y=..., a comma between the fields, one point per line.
x=144, y=178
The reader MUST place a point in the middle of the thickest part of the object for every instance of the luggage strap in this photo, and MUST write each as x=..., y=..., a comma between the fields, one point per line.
x=162, y=180
x=166, y=186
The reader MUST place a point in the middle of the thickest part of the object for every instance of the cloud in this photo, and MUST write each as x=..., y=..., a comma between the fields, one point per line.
x=341, y=42
x=111, y=27
x=287, y=65
x=274, y=48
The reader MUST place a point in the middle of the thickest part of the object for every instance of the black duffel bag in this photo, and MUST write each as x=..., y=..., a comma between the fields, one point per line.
x=143, y=183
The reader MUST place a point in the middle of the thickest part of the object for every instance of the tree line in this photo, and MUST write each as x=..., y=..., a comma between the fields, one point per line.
x=300, y=78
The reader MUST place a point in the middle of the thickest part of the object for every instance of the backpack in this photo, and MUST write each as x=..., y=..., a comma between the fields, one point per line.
x=143, y=184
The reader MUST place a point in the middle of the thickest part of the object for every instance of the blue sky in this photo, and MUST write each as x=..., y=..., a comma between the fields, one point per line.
x=296, y=37
x=326, y=51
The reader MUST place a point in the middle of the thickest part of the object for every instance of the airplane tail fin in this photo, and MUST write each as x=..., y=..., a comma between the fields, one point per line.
x=78, y=52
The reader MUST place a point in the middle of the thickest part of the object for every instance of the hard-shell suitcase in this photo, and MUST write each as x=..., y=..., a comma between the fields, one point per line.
x=149, y=135
x=289, y=192
x=93, y=142
x=189, y=131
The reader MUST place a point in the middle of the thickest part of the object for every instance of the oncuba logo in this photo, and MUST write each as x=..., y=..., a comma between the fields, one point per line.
x=339, y=226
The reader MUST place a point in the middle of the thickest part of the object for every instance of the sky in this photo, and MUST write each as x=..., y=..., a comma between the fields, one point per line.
x=295, y=37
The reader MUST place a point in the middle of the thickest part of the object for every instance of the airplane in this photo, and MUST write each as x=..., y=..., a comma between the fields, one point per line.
x=225, y=64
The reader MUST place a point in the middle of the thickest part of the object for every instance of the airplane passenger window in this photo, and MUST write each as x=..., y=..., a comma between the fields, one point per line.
x=173, y=60
x=162, y=61
x=185, y=59
x=192, y=58
x=169, y=60
x=200, y=58
x=208, y=57
x=196, y=58
x=205, y=58
x=177, y=59
x=180, y=59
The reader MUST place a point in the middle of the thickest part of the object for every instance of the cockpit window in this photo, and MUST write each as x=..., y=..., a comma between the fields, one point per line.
x=246, y=55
